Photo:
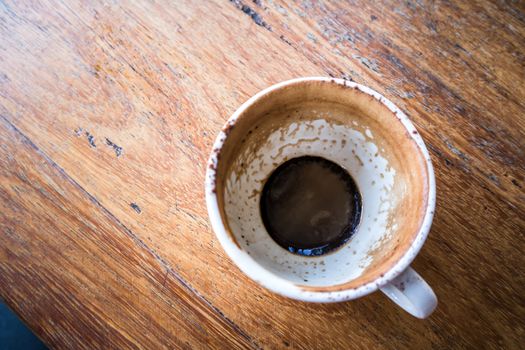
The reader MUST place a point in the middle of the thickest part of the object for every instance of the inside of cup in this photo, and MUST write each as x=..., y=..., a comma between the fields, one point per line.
x=356, y=131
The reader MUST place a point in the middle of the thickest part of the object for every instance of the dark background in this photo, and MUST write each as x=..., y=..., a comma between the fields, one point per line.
x=14, y=335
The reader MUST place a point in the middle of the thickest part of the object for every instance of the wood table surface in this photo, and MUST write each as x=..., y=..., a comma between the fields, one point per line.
x=107, y=114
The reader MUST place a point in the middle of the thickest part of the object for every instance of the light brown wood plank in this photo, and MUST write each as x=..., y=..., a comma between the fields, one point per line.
x=79, y=278
x=439, y=61
x=159, y=78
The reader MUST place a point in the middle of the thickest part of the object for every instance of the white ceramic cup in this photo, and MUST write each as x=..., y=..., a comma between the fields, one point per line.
x=366, y=134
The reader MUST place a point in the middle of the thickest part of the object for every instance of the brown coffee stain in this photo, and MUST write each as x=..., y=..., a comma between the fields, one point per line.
x=345, y=105
x=359, y=160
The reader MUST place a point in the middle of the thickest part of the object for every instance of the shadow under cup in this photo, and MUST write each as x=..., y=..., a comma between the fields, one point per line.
x=349, y=127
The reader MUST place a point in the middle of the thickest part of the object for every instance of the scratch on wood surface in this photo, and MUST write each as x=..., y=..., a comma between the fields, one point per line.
x=135, y=207
x=165, y=279
x=283, y=38
x=91, y=139
x=256, y=17
x=456, y=151
x=4, y=78
x=311, y=37
x=116, y=148
x=368, y=63
x=494, y=179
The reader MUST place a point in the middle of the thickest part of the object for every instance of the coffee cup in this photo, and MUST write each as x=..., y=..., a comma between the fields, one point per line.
x=358, y=129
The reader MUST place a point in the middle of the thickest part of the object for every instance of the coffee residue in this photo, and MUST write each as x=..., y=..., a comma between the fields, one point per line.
x=310, y=205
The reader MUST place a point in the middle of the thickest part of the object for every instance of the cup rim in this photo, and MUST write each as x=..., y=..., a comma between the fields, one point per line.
x=278, y=284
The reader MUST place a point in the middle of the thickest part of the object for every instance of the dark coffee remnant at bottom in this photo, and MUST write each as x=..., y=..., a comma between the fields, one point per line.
x=310, y=205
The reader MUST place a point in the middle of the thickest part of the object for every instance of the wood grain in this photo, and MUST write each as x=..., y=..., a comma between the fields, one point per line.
x=79, y=277
x=126, y=98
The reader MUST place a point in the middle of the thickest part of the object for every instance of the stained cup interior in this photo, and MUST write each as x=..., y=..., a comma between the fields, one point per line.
x=349, y=127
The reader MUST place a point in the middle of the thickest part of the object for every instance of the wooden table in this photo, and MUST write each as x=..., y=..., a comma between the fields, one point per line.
x=108, y=112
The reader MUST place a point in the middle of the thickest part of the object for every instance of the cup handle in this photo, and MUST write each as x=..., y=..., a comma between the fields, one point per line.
x=412, y=293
